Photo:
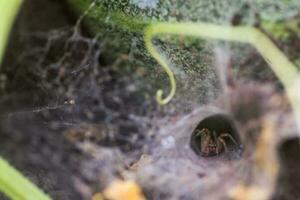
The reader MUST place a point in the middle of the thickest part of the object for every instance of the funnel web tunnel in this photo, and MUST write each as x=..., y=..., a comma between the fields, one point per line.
x=215, y=135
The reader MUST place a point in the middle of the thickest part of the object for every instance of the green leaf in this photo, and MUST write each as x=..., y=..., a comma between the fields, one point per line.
x=16, y=186
x=8, y=11
x=13, y=183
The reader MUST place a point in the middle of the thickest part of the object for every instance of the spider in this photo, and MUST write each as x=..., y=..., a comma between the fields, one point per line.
x=212, y=143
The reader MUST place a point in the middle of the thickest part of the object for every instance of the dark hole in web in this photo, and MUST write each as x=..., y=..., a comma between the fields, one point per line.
x=288, y=184
x=220, y=125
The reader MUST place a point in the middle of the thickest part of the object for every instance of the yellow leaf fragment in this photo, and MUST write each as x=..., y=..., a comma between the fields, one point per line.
x=242, y=192
x=123, y=190
x=265, y=150
x=97, y=196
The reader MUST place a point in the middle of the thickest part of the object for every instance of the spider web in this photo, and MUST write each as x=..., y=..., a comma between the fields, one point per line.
x=73, y=111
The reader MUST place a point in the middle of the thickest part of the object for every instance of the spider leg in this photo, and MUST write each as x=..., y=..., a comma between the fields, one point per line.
x=223, y=135
x=224, y=143
x=201, y=132
x=204, y=139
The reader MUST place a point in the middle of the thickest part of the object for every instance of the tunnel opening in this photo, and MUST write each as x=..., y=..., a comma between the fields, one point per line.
x=215, y=135
x=288, y=185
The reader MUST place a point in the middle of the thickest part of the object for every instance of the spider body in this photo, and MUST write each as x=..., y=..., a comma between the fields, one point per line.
x=211, y=143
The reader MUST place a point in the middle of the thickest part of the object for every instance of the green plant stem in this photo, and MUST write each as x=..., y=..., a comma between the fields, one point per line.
x=13, y=183
x=279, y=63
x=16, y=186
x=8, y=11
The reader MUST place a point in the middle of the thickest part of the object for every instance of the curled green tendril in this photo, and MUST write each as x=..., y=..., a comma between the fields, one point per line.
x=149, y=33
x=279, y=63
